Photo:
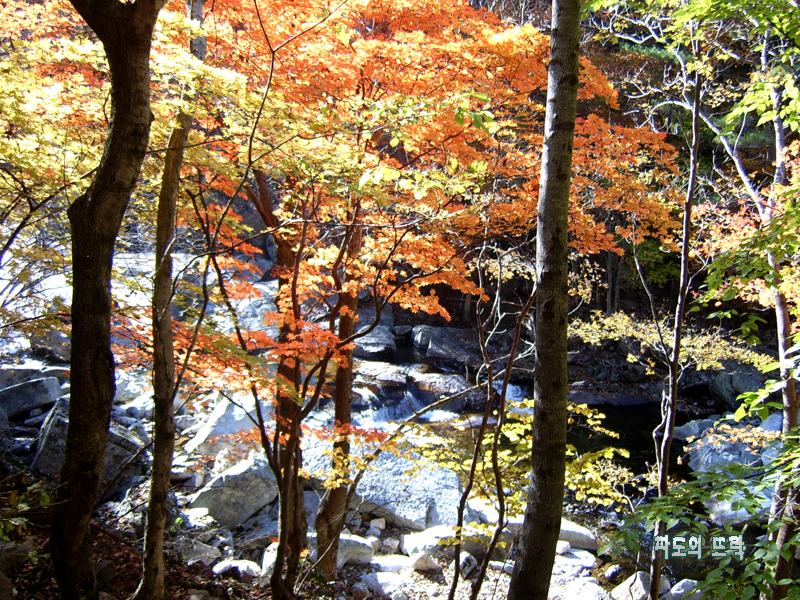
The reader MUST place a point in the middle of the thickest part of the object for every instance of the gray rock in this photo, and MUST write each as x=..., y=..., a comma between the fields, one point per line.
x=467, y=564
x=637, y=587
x=121, y=448
x=424, y=562
x=14, y=374
x=52, y=344
x=692, y=429
x=704, y=455
x=432, y=387
x=736, y=378
x=398, y=490
x=433, y=541
x=193, y=551
x=684, y=589
x=584, y=588
x=23, y=397
x=774, y=422
x=378, y=342
x=571, y=564
x=239, y=492
x=226, y=419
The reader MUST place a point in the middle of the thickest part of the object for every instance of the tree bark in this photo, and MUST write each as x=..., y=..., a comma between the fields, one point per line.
x=151, y=587
x=330, y=516
x=541, y=526
x=126, y=30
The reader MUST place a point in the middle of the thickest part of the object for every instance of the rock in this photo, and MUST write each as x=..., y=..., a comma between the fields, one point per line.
x=432, y=541
x=571, y=564
x=243, y=570
x=199, y=595
x=458, y=346
x=23, y=397
x=736, y=378
x=632, y=373
x=378, y=342
x=14, y=374
x=683, y=590
x=259, y=532
x=390, y=545
x=353, y=550
x=584, y=588
x=238, y=493
x=578, y=536
x=14, y=555
x=140, y=407
x=424, y=562
x=713, y=449
x=612, y=571
x=426, y=497
x=52, y=344
x=382, y=584
x=375, y=542
x=379, y=524
x=193, y=551
x=359, y=591
x=268, y=562
x=774, y=422
x=692, y=429
x=373, y=532
x=467, y=564
x=502, y=565
x=432, y=387
x=104, y=571
x=562, y=547
x=121, y=448
x=226, y=419
x=637, y=587
x=392, y=563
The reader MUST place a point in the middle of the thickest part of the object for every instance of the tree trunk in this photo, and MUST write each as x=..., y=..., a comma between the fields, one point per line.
x=126, y=32
x=540, y=529
x=664, y=433
x=330, y=516
x=151, y=587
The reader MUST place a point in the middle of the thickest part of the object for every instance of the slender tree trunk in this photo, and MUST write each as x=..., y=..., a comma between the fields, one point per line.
x=541, y=526
x=330, y=516
x=664, y=433
x=151, y=587
x=126, y=32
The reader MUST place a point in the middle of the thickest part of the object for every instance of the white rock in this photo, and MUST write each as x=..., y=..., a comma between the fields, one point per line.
x=390, y=545
x=431, y=541
x=562, y=547
x=243, y=566
x=382, y=584
x=375, y=542
x=577, y=536
x=571, y=564
x=268, y=563
x=354, y=550
x=584, y=588
x=502, y=565
x=391, y=563
x=637, y=587
x=683, y=590
x=225, y=419
x=379, y=524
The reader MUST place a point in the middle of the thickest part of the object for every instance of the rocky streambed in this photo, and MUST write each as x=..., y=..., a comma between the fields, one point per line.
x=224, y=508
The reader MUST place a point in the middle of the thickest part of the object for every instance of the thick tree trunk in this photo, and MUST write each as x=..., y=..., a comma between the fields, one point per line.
x=126, y=32
x=533, y=567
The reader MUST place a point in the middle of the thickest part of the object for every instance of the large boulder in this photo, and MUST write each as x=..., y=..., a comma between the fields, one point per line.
x=227, y=418
x=449, y=344
x=637, y=587
x=238, y=493
x=432, y=387
x=408, y=494
x=735, y=378
x=378, y=342
x=120, y=466
x=22, y=398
